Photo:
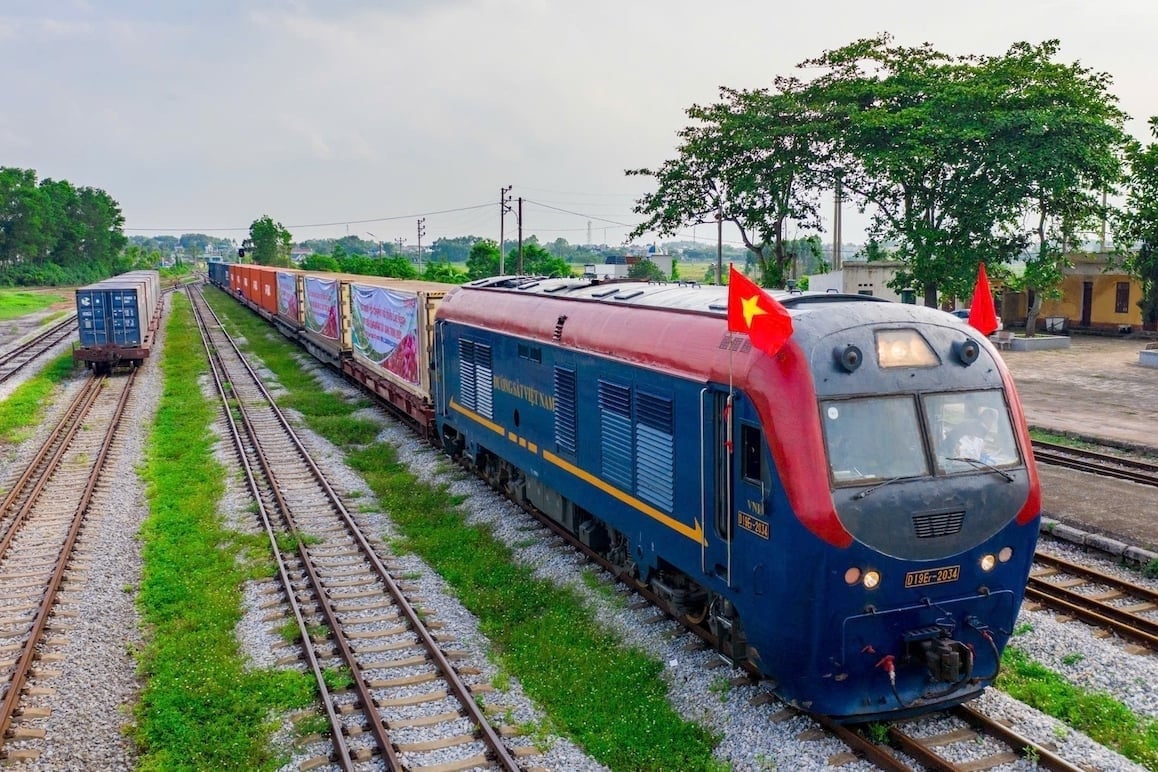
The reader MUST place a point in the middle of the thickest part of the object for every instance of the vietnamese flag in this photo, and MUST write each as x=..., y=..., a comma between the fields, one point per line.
x=753, y=311
x=982, y=314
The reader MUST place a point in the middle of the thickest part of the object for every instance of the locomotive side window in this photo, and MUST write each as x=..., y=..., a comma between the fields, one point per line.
x=873, y=438
x=751, y=444
x=971, y=427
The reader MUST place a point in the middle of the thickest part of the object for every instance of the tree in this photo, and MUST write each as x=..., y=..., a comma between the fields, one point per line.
x=753, y=160
x=953, y=153
x=1136, y=226
x=646, y=270
x=908, y=129
x=483, y=260
x=1061, y=144
x=270, y=242
x=443, y=272
x=537, y=261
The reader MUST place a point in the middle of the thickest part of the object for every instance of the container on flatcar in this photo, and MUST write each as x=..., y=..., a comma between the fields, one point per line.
x=392, y=329
x=219, y=274
x=117, y=319
x=288, y=291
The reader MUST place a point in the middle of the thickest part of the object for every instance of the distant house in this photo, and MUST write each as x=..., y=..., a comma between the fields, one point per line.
x=862, y=278
x=298, y=254
x=1095, y=298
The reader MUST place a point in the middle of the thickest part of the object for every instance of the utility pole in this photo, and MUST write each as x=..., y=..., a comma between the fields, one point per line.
x=720, y=240
x=400, y=240
x=520, y=235
x=838, y=200
x=421, y=231
x=504, y=207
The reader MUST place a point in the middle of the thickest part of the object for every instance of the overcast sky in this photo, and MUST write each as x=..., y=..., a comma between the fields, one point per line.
x=359, y=116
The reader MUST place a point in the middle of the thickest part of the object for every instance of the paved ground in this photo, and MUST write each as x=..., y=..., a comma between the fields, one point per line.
x=1095, y=389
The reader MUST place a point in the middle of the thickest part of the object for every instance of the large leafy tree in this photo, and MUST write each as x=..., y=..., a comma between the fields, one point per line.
x=1136, y=226
x=483, y=260
x=1059, y=143
x=270, y=242
x=754, y=160
x=910, y=130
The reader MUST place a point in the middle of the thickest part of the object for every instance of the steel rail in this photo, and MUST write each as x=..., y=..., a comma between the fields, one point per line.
x=48, y=599
x=476, y=715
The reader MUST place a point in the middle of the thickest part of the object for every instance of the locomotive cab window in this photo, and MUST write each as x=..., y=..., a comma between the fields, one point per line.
x=751, y=455
x=971, y=428
x=873, y=438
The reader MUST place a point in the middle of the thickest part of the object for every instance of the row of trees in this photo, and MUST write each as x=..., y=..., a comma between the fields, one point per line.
x=53, y=233
x=958, y=159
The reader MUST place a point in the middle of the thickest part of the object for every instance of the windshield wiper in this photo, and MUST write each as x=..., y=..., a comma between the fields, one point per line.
x=979, y=463
x=877, y=487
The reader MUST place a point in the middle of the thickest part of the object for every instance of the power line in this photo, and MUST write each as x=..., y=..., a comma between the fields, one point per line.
x=320, y=224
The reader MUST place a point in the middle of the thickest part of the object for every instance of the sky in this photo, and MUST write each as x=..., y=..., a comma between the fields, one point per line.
x=360, y=117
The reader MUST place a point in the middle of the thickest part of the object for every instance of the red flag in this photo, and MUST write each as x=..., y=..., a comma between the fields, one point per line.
x=753, y=311
x=982, y=314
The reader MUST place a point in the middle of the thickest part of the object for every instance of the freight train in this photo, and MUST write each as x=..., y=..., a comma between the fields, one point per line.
x=118, y=320
x=855, y=515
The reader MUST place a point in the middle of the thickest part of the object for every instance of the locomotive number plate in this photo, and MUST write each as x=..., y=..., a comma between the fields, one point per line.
x=932, y=576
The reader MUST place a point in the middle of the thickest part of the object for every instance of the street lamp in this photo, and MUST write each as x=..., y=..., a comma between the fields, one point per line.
x=381, y=250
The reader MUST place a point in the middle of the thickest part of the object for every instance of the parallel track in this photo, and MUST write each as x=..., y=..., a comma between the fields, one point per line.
x=17, y=358
x=1121, y=607
x=334, y=580
x=42, y=517
x=1104, y=464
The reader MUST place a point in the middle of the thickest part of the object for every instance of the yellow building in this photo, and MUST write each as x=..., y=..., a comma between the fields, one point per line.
x=1093, y=299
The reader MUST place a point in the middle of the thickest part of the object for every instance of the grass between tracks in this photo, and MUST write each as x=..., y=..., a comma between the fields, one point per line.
x=24, y=409
x=1100, y=716
x=201, y=708
x=609, y=699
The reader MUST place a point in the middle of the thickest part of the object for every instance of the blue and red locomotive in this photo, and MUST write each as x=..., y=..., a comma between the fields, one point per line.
x=855, y=515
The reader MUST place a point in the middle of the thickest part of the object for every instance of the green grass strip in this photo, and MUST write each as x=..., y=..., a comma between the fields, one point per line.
x=24, y=409
x=1099, y=716
x=200, y=708
x=15, y=303
x=610, y=700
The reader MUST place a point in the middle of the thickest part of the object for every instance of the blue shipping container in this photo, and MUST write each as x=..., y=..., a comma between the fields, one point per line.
x=109, y=314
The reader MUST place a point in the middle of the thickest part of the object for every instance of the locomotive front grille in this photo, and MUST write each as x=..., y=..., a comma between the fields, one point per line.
x=931, y=525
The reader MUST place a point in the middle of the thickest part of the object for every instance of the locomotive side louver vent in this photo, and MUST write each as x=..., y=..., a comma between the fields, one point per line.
x=559, y=328
x=735, y=342
x=930, y=525
x=655, y=450
x=566, y=419
x=615, y=434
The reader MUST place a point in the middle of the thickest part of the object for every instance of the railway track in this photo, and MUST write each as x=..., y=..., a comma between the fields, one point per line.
x=42, y=516
x=389, y=690
x=20, y=356
x=1094, y=462
x=1113, y=604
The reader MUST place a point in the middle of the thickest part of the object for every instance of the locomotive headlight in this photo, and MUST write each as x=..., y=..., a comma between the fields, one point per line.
x=903, y=348
x=1005, y=554
x=871, y=580
x=988, y=562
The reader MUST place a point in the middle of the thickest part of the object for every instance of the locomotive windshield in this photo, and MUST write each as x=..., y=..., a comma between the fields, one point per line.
x=886, y=438
x=874, y=438
x=971, y=426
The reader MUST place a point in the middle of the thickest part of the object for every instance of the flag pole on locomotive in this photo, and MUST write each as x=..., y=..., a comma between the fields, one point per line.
x=768, y=325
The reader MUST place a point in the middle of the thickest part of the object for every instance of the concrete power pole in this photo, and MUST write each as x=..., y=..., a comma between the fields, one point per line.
x=421, y=231
x=520, y=235
x=504, y=207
